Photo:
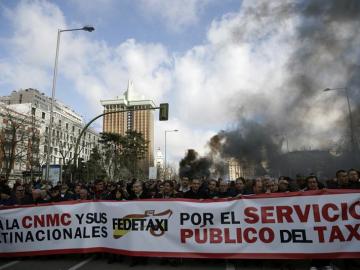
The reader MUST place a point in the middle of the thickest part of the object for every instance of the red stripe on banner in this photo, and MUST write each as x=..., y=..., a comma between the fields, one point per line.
x=294, y=256
x=244, y=197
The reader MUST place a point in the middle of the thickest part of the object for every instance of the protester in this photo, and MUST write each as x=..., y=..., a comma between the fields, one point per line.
x=168, y=191
x=38, y=196
x=19, y=197
x=240, y=188
x=212, y=189
x=195, y=192
x=257, y=187
x=99, y=191
x=184, y=185
x=354, y=181
x=224, y=190
x=116, y=195
x=83, y=194
x=271, y=186
x=77, y=189
x=55, y=194
x=283, y=185
x=38, y=192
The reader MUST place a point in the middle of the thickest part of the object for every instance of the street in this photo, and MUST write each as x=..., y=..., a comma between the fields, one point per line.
x=74, y=262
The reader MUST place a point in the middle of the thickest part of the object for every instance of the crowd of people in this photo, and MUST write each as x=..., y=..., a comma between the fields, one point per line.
x=40, y=191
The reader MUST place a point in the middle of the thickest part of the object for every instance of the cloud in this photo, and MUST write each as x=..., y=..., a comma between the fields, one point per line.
x=177, y=14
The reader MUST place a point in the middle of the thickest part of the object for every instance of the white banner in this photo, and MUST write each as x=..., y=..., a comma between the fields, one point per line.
x=321, y=224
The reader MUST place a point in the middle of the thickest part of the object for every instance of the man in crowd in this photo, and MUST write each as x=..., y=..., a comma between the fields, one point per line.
x=195, y=192
x=138, y=194
x=83, y=194
x=212, y=189
x=138, y=191
x=99, y=192
x=240, y=188
x=258, y=187
x=20, y=197
x=341, y=181
x=283, y=185
x=354, y=181
x=168, y=191
x=312, y=183
x=184, y=185
x=224, y=190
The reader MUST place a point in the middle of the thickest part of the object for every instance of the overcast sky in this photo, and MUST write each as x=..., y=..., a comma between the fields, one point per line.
x=206, y=58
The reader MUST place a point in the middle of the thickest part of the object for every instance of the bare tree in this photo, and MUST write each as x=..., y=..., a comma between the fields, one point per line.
x=19, y=141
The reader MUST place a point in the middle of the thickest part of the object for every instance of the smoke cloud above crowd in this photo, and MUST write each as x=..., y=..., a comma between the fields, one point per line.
x=288, y=110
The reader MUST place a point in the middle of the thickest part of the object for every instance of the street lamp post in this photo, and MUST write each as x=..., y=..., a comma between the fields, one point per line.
x=165, y=165
x=85, y=28
x=352, y=139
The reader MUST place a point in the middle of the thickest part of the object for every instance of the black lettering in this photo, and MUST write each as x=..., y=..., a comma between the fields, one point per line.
x=285, y=236
x=79, y=217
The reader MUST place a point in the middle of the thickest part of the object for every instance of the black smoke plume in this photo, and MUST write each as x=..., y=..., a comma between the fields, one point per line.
x=193, y=166
x=278, y=132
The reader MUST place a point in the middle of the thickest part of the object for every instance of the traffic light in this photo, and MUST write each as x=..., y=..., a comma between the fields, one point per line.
x=164, y=112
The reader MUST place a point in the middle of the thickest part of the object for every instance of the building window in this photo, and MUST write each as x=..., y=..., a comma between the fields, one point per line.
x=60, y=122
x=43, y=115
x=67, y=126
x=73, y=129
x=33, y=111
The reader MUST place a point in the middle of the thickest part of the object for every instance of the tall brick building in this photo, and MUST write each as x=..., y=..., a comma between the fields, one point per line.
x=139, y=121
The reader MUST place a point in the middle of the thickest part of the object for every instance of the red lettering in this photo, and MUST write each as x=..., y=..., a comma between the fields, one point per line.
x=344, y=214
x=336, y=234
x=352, y=210
x=26, y=224
x=284, y=212
x=39, y=221
x=267, y=212
x=316, y=213
x=227, y=238
x=353, y=232
x=270, y=235
x=251, y=216
x=184, y=234
x=320, y=230
x=325, y=212
x=65, y=219
x=303, y=215
x=197, y=236
x=238, y=235
x=247, y=238
x=215, y=236
x=52, y=220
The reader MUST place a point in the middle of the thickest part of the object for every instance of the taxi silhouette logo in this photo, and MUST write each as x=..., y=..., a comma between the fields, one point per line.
x=154, y=223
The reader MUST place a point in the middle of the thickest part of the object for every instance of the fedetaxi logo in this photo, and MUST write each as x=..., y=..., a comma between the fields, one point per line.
x=155, y=223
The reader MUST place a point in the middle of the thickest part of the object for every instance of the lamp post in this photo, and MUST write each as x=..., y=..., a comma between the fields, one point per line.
x=352, y=139
x=165, y=167
x=85, y=28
